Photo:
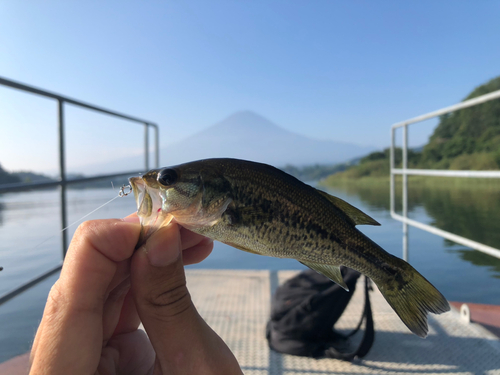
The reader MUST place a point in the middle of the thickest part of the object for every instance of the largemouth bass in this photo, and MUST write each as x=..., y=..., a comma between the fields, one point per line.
x=263, y=210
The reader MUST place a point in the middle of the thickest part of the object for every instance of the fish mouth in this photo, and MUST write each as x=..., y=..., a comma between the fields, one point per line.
x=149, y=203
x=139, y=189
x=145, y=197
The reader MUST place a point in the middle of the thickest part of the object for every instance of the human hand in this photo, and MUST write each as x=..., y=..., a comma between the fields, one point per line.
x=90, y=323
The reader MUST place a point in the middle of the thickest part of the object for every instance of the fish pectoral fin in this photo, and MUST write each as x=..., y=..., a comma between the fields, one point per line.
x=328, y=270
x=242, y=248
x=357, y=216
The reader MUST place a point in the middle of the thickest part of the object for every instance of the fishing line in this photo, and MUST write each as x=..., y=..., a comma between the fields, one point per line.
x=90, y=213
x=122, y=193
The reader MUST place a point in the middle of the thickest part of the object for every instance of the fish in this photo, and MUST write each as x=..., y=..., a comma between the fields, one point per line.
x=262, y=210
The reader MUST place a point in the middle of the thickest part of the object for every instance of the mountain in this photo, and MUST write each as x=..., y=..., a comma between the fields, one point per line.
x=7, y=178
x=21, y=177
x=247, y=135
x=243, y=135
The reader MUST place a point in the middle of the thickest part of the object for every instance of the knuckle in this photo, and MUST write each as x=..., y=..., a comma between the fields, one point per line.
x=110, y=237
x=61, y=303
x=170, y=301
x=87, y=227
x=56, y=302
x=56, y=296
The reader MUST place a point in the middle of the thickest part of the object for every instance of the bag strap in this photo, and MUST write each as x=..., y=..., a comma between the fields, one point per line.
x=368, y=336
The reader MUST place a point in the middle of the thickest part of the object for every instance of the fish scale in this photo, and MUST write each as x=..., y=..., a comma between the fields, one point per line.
x=300, y=214
x=263, y=210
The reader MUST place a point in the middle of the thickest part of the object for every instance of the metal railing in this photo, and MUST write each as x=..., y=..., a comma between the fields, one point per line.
x=63, y=182
x=404, y=171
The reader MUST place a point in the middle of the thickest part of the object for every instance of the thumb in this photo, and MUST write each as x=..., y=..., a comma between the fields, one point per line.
x=159, y=282
x=159, y=286
x=183, y=342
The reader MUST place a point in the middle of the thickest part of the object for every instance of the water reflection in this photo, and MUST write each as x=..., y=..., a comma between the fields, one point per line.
x=480, y=259
x=468, y=210
x=469, y=213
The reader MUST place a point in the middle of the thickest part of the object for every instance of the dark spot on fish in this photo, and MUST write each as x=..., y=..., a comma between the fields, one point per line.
x=319, y=231
x=182, y=191
x=400, y=280
x=265, y=205
x=232, y=216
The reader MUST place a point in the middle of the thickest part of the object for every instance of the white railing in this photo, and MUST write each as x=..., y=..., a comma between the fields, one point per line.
x=63, y=182
x=404, y=171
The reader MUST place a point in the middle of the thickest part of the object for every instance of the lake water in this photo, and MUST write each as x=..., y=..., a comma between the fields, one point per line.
x=31, y=244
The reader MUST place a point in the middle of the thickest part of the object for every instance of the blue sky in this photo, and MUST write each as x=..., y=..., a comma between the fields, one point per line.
x=340, y=70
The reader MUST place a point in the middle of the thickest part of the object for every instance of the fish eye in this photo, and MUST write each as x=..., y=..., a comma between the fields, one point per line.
x=167, y=177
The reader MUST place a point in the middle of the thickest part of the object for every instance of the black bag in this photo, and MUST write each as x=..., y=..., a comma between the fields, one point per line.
x=304, y=311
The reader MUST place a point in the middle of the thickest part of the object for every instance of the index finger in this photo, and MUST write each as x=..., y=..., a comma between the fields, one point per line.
x=72, y=331
x=96, y=249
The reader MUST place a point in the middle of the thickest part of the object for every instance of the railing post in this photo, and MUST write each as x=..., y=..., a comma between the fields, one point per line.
x=146, y=147
x=157, y=147
x=392, y=177
x=405, y=192
x=62, y=173
x=63, y=183
x=405, y=172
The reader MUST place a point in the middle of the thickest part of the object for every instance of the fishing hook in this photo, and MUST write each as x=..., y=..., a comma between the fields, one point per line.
x=124, y=193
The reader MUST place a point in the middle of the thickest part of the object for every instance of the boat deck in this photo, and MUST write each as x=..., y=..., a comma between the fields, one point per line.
x=236, y=304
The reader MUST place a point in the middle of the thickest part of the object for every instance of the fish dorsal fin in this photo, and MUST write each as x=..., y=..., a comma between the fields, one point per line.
x=328, y=270
x=358, y=217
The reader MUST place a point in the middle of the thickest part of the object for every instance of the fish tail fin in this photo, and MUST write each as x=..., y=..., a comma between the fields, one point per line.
x=412, y=297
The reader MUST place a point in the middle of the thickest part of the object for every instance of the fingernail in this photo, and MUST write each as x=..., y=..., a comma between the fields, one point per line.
x=163, y=248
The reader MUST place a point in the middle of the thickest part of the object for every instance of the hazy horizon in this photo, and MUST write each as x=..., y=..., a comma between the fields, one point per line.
x=243, y=128
x=340, y=71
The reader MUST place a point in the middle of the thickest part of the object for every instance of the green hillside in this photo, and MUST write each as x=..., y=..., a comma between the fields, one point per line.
x=465, y=139
x=8, y=178
x=469, y=138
